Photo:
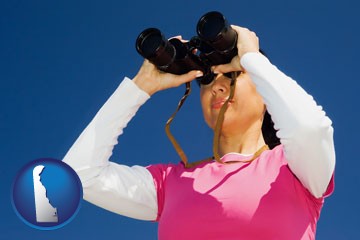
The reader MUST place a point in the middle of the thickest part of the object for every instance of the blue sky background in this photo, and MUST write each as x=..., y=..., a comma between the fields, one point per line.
x=61, y=60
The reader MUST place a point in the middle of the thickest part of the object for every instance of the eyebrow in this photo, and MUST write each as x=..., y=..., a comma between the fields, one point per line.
x=227, y=75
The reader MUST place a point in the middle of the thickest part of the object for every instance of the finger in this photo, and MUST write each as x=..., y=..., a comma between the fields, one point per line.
x=240, y=29
x=195, y=51
x=224, y=68
x=187, y=77
x=178, y=37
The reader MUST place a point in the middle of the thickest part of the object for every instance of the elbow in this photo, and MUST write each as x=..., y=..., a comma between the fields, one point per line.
x=311, y=154
x=313, y=129
x=89, y=175
x=315, y=140
x=318, y=184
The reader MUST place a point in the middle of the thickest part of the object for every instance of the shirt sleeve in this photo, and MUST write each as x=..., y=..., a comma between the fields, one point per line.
x=125, y=190
x=303, y=127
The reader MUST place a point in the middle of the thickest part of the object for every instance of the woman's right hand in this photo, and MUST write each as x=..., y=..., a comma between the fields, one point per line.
x=151, y=80
x=247, y=42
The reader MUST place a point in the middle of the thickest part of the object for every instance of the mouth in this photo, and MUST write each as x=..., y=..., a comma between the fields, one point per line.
x=217, y=104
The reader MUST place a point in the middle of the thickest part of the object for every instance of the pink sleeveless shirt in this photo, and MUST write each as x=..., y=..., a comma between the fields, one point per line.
x=262, y=199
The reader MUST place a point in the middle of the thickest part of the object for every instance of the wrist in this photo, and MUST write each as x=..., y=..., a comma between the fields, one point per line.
x=144, y=84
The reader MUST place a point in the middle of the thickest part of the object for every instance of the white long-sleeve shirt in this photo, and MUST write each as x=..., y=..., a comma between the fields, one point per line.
x=303, y=129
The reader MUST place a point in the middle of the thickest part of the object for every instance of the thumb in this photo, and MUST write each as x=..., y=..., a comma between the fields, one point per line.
x=233, y=66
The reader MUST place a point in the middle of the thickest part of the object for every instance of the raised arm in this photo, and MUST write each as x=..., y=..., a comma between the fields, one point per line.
x=128, y=191
x=303, y=128
x=118, y=188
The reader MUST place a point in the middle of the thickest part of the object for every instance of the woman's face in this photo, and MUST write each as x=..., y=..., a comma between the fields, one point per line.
x=243, y=111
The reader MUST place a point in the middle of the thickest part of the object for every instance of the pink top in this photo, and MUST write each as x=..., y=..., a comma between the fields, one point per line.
x=258, y=200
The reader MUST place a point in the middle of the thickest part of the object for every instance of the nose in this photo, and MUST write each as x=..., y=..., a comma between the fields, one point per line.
x=220, y=85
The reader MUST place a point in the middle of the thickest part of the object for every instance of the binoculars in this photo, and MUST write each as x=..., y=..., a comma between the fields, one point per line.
x=215, y=43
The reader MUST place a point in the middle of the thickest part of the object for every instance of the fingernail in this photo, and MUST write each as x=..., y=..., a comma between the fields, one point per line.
x=199, y=74
x=214, y=70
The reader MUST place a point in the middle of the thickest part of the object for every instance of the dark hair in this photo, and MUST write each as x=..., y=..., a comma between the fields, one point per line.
x=269, y=132
x=267, y=128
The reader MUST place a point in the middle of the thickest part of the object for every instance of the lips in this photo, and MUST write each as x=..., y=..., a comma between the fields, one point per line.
x=218, y=103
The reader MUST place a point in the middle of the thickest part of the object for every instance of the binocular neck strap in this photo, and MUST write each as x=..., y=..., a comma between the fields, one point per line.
x=217, y=129
x=219, y=123
x=172, y=139
x=221, y=116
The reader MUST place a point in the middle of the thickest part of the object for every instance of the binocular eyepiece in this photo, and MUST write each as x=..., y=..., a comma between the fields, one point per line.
x=214, y=44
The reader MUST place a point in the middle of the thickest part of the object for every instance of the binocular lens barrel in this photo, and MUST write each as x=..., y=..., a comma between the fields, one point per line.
x=152, y=45
x=214, y=29
x=210, y=25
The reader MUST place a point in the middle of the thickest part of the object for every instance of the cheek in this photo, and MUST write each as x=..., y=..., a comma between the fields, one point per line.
x=246, y=93
x=251, y=105
x=205, y=105
x=248, y=104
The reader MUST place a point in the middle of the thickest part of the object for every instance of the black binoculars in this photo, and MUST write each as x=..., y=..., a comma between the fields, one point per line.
x=214, y=44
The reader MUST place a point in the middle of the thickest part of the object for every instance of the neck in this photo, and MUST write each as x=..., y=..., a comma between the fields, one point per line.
x=246, y=143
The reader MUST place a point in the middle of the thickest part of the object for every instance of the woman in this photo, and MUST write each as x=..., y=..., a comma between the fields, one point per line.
x=257, y=194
